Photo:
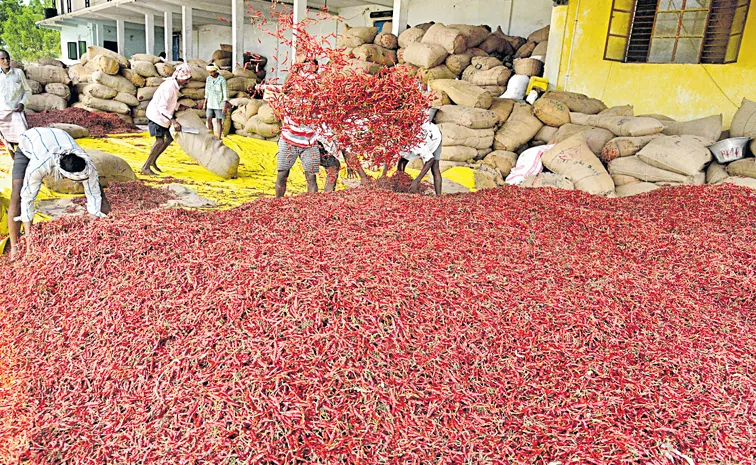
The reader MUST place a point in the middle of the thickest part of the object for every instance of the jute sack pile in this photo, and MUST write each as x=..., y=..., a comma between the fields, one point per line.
x=473, y=118
x=546, y=179
x=686, y=155
x=518, y=130
x=624, y=147
x=455, y=134
x=463, y=93
x=620, y=125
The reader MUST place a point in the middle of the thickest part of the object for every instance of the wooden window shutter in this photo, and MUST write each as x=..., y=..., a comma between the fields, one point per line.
x=618, y=35
x=724, y=31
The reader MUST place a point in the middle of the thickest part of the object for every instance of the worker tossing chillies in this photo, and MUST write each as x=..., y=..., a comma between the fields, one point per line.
x=429, y=151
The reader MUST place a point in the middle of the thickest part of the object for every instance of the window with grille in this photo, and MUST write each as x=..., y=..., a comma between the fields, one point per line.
x=676, y=31
x=82, y=48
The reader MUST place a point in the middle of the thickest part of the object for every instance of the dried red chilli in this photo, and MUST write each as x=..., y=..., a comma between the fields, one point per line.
x=133, y=196
x=506, y=326
x=99, y=124
x=376, y=117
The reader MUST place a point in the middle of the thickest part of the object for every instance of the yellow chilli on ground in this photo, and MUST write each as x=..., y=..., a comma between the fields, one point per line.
x=256, y=178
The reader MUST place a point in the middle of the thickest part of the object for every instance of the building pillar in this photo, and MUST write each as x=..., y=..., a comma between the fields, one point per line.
x=399, y=19
x=121, y=36
x=168, y=34
x=149, y=33
x=186, y=32
x=237, y=33
x=300, y=13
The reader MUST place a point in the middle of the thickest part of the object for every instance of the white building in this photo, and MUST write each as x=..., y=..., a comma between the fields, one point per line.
x=197, y=27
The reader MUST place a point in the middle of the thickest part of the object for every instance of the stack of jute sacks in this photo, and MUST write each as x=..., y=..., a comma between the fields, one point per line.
x=257, y=120
x=473, y=54
x=50, y=85
x=368, y=48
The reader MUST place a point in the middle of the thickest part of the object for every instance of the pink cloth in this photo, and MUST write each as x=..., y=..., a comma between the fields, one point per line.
x=12, y=124
x=182, y=72
x=528, y=164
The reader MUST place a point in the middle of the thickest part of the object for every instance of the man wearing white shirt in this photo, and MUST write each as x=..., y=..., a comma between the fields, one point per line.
x=43, y=152
x=14, y=93
x=430, y=152
x=160, y=113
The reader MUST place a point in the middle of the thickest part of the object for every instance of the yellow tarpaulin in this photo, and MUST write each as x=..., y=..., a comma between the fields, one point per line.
x=257, y=171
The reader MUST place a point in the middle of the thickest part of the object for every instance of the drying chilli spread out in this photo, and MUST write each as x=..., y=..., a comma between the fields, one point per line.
x=133, y=196
x=375, y=117
x=99, y=124
x=524, y=326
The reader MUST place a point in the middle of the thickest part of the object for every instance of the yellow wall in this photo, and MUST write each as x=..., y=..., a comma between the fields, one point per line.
x=680, y=91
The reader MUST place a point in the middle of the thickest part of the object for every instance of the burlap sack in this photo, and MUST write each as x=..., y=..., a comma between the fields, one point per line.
x=518, y=130
x=199, y=73
x=424, y=55
x=360, y=66
x=194, y=85
x=483, y=152
x=253, y=107
x=745, y=167
x=623, y=180
x=144, y=69
x=73, y=130
x=239, y=117
x=459, y=153
x=110, y=168
x=145, y=57
x=439, y=98
x=439, y=72
x=375, y=54
x=129, y=99
x=240, y=84
x=637, y=168
x=624, y=110
x=574, y=160
x=50, y=62
x=137, y=113
x=716, y=173
x=36, y=87
x=105, y=64
x=473, y=118
x=254, y=125
x=624, y=147
x=364, y=33
x=108, y=106
x=99, y=91
x=146, y=93
x=620, y=125
x=119, y=83
x=556, y=181
x=744, y=121
x=503, y=108
x=526, y=50
x=686, y=155
x=578, y=103
x=450, y=39
x=475, y=35
x=133, y=77
x=387, y=40
x=501, y=160
x=47, y=74
x=349, y=43
x=463, y=93
x=220, y=55
x=629, y=190
x=410, y=36
x=496, y=44
x=541, y=49
x=455, y=134
x=267, y=115
x=45, y=102
x=94, y=50
x=153, y=81
x=458, y=63
x=498, y=76
x=656, y=116
x=487, y=177
x=476, y=52
x=61, y=90
x=552, y=112
x=224, y=62
x=541, y=35
x=742, y=182
x=195, y=62
x=528, y=67
x=79, y=73
x=165, y=70
x=545, y=135
x=194, y=94
x=494, y=90
x=709, y=128
x=205, y=148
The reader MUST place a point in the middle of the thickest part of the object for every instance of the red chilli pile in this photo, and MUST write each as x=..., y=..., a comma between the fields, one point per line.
x=99, y=124
x=507, y=326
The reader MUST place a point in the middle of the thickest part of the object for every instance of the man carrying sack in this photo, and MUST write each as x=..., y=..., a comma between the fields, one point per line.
x=160, y=115
x=14, y=93
x=43, y=152
x=216, y=101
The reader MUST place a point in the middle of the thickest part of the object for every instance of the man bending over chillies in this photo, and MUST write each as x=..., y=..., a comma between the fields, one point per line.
x=429, y=151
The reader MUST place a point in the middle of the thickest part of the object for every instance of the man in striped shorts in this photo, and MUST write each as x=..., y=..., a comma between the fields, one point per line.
x=297, y=142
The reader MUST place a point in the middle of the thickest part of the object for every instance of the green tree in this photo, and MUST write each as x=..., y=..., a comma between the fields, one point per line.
x=8, y=8
x=23, y=39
